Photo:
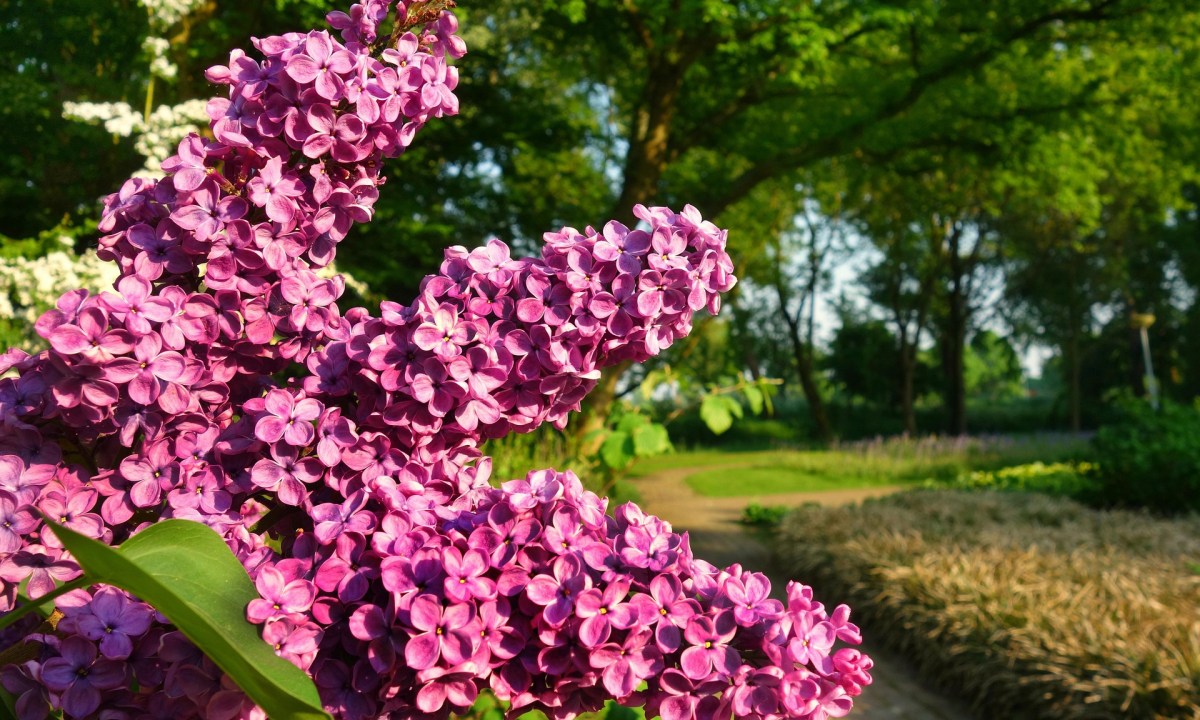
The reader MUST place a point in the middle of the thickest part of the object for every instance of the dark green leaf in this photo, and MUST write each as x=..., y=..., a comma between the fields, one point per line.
x=185, y=570
x=8, y=705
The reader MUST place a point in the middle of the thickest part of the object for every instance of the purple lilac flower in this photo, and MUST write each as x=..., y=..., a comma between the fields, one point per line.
x=80, y=676
x=709, y=650
x=15, y=521
x=174, y=387
x=287, y=418
x=443, y=632
x=279, y=597
x=626, y=664
x=113, y=620
x=559, y=591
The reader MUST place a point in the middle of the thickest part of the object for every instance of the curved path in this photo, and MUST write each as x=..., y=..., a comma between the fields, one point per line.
x=717, y=536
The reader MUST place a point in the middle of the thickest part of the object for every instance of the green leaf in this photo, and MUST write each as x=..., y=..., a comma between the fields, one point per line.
x=754, y=396
x=8, y=705
x=613, y=711
x=631, y=422
x=735, y=407
x=650, y=439
x=185, y=570
x=715, y=414
x=768, y=391
x=617, y=450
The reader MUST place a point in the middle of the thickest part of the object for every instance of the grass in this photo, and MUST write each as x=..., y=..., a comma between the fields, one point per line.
x=1027, y=605
x=874, y=463
x=777, y=479
x=705, y=458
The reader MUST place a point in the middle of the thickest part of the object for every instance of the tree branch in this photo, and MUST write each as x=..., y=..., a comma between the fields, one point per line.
x=837, y=142
x=639, y=27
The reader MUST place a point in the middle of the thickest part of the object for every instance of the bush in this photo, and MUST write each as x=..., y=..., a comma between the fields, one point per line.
x=1028, y=606
x=1073, y=480
x=764, y=516
x=1150, y=459
x=791, y=425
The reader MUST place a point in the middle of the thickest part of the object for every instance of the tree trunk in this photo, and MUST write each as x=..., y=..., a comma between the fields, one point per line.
x=1073, y=378
x=907, y=370
x=954, y=340
x=812, y=394
x=649, y=143
x=804, y=368
x=1071, y=351
x=645, y=162
x=752, y=365
x=952, y=357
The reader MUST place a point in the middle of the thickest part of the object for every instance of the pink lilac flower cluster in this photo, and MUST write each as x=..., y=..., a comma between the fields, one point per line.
x=337, y=454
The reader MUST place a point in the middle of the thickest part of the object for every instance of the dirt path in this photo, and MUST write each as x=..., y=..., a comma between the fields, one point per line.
x=716, y=535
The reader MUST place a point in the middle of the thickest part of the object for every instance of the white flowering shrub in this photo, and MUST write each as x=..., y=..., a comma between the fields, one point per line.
x=165, y=13
x=29, y=286
x=156, y=133
x=155, y=137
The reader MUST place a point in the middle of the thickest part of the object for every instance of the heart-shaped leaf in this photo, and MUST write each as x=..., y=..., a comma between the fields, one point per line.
x=185, y=570
x=650, y=440
x=617, y=450
x=715, y=413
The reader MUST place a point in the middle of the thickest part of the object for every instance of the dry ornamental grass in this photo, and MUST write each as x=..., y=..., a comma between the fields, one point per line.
x=1029, y=606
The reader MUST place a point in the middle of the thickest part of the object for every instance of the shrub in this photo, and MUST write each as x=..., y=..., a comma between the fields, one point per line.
x=1074, y=480
x=1029, y=606
x=767, y=516
x=1150, y=459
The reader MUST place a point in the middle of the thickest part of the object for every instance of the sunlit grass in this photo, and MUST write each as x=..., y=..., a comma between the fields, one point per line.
x=768, y=480
x=875, y=463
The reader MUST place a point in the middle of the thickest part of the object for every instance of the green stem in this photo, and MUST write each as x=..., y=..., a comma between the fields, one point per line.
x=80, y=582
x=8, y=705
x=149, y=101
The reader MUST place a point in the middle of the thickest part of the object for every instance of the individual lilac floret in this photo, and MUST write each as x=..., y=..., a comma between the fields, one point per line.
x=80, y=676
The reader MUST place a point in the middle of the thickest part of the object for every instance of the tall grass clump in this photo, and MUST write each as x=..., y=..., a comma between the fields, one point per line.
x=1029, y=606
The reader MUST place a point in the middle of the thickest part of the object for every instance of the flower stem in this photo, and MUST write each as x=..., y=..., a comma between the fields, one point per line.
x=80, y=582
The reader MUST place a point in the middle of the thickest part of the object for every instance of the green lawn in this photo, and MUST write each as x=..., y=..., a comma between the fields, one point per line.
x=892, y=462
x=708, y=458
x=770, y=480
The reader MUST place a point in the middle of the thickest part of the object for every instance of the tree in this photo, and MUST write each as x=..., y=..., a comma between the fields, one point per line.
x=904, y=279
x=789, y=71
x=60, y=51
x=1054, y=282
x=862, y=360
x=991, y=368
x=800, y=250
x=1098, y=228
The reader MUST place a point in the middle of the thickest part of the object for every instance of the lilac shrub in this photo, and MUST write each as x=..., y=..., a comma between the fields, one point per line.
x=337, y=452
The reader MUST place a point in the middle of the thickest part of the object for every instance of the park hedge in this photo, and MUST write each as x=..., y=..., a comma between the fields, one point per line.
x=1025, y=605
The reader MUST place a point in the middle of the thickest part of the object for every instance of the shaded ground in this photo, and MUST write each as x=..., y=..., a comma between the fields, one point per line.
x=716, y=535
